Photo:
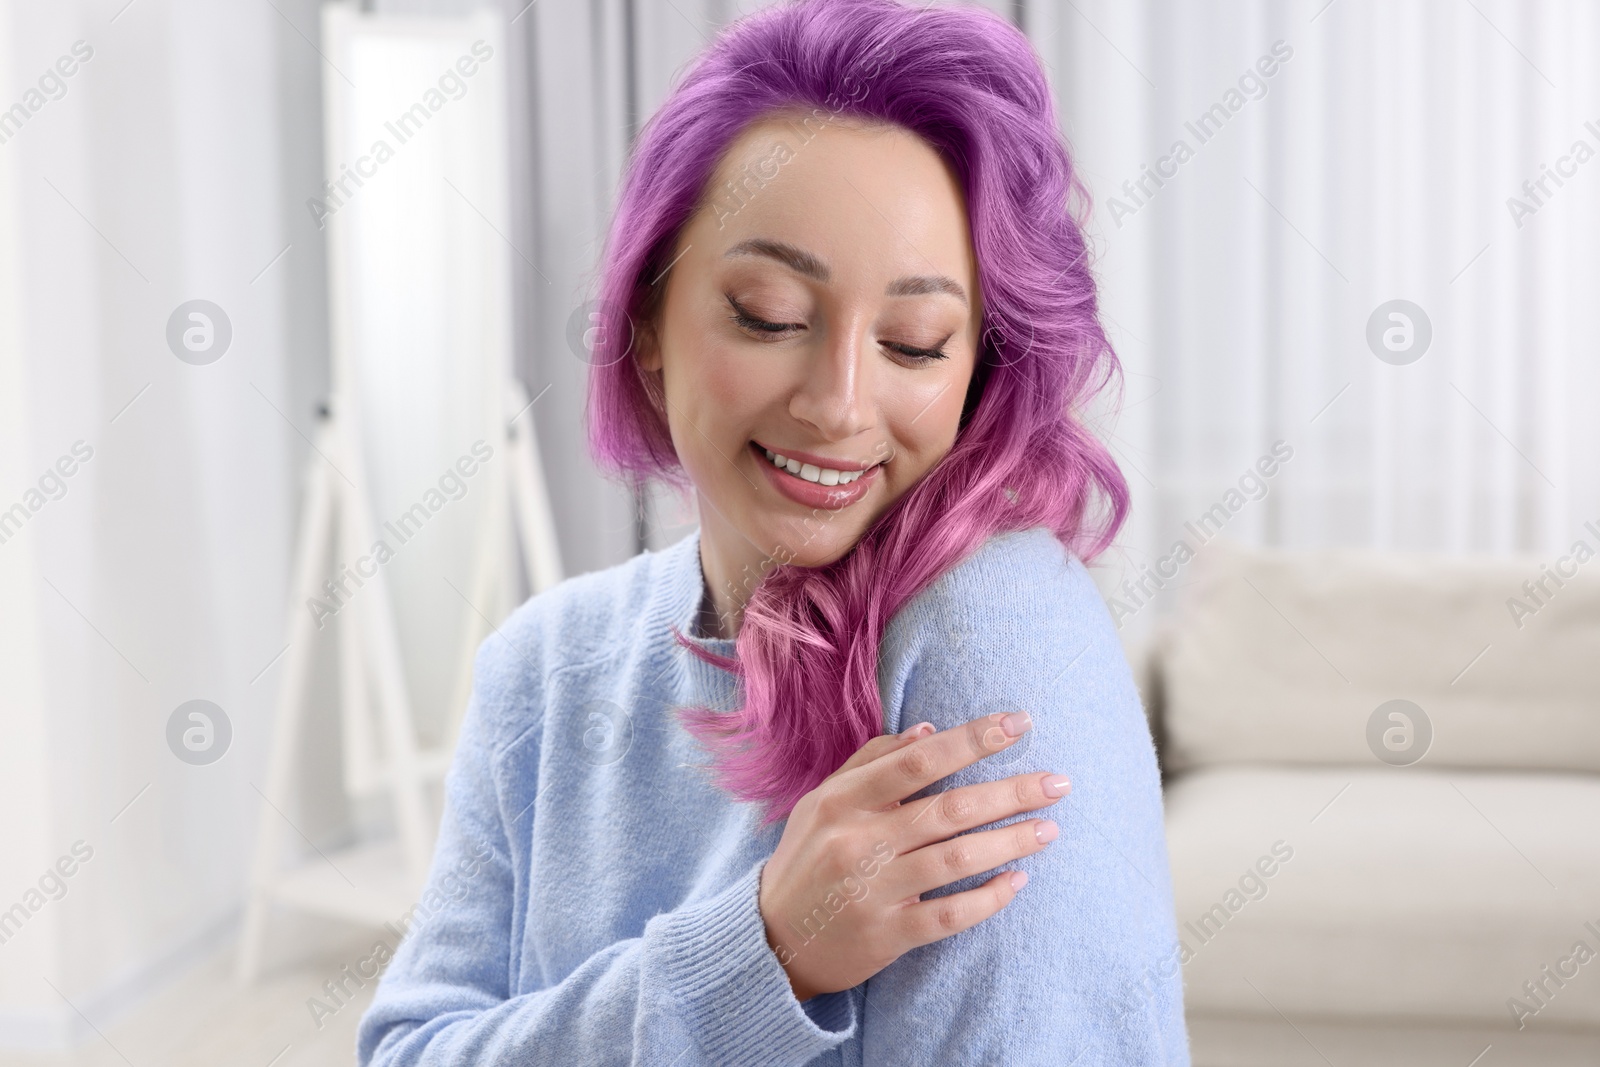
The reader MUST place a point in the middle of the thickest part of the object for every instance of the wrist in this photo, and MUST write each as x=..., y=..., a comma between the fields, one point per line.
x=785, y=956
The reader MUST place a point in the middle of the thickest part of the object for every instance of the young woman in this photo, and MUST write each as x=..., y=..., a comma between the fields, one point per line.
x=772, y=795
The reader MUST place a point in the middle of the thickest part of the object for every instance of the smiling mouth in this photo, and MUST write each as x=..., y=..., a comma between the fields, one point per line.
x=811, y=472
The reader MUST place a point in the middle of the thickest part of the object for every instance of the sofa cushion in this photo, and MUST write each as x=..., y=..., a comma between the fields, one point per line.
x=1275, y=656
x=1388, y=893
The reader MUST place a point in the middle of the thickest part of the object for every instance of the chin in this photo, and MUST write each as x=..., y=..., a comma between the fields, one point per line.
x=814, y=542
x=821, y=557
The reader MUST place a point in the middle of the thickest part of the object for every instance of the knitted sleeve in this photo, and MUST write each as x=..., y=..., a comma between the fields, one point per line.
x=1080, y=967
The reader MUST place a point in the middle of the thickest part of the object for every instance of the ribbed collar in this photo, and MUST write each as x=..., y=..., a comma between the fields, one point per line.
x=682, y=584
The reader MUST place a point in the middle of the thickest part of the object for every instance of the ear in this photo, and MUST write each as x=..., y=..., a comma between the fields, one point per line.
x=648, y=350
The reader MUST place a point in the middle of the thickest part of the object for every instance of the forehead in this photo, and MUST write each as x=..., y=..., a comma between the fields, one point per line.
x=865, y=199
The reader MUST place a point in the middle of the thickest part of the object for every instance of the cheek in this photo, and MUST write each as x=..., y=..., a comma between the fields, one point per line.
x=726, y=386
x=729, y=386
x=927, y=415
x=717, y=394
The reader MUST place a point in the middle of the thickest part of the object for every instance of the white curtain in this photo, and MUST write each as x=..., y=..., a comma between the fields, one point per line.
x=1384, y=159
x=170, y=165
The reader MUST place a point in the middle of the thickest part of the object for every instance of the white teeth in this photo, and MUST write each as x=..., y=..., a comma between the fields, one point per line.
x=811, y=472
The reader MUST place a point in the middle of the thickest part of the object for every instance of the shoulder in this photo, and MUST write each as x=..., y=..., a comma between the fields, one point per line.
x=1014, y=591
x=579, y=620
x=1010, y=625
x=1015, y=575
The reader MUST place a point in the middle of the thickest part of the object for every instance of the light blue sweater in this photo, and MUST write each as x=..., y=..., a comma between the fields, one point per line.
x=603, y=894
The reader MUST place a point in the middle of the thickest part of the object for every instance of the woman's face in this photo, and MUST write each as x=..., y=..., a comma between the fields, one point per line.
x=828, y=314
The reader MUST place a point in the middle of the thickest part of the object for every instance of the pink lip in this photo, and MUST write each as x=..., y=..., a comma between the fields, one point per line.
x=814, y=494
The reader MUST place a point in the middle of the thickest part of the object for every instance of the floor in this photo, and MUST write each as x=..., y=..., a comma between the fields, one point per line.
x=1275, y=1042
x=208, y=1019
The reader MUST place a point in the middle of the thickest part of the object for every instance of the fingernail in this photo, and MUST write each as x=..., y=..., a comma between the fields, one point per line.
x=1057, y=785
x=922, y=729
x=1015, y=723
x=1018, y=880
x=1046, y=831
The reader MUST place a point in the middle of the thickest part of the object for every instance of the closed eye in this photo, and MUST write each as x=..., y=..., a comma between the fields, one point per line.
x=747, y=321
x=750, y=322
x=924, y=354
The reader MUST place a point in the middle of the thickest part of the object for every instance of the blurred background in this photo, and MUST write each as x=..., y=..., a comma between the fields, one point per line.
x=283, y=281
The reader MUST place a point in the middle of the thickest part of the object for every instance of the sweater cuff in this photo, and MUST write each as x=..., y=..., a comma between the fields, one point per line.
x=734, y=993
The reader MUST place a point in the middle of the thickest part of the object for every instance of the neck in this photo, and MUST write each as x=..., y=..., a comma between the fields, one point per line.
x=733, y=568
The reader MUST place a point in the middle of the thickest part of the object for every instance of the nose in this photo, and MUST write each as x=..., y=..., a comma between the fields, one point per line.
x=834, y=396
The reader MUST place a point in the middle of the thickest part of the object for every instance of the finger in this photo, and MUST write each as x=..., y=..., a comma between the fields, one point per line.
x=932, y=920
x=876, y=785
x=881, y=745
x=943, y=862
x=936, y=817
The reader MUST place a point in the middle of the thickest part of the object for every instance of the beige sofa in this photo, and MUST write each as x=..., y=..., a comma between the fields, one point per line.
x=1350, y=889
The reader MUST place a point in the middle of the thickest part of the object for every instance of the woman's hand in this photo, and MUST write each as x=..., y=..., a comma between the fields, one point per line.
x=841, y=894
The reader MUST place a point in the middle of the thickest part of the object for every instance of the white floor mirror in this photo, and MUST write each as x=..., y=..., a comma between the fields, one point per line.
x=425, y=495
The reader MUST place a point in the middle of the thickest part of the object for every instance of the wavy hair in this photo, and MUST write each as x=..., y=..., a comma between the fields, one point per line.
x=971, y=86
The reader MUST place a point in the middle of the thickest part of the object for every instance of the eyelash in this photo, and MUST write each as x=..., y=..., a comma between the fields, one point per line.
x=750, y=322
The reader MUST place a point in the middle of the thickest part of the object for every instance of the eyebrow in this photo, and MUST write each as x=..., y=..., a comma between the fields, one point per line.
x=802, y=262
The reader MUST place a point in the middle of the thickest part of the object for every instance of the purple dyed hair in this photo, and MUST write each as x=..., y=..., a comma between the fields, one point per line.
x=969, y=85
